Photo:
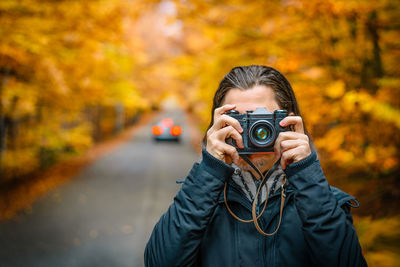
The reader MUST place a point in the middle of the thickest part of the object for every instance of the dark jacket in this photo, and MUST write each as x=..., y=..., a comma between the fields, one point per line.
x=197, y=230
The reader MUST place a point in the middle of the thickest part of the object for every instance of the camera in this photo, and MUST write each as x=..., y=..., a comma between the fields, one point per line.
x=260, y=129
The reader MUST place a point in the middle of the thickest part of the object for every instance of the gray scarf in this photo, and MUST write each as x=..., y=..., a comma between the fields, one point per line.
x=249, y=184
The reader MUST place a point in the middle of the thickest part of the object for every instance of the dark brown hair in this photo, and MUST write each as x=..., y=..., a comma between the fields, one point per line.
x=246, y=77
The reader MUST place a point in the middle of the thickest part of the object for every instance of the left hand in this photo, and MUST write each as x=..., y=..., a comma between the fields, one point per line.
x=294, y=146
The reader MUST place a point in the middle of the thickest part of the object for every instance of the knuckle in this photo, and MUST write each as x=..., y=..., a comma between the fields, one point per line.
x=209, y=132
x=224, y=117
x=235, y=121
x=229, y=128
x=304, y=143
x=285, y=134
x=216, y=111
x=297, y=118
x=212, y=143
x=237, y=134
x=306, y=149
x=231, y=150
x=287, y=154
x=228, y=119
x=218, y=146
x=213, y=140
x=284, y=143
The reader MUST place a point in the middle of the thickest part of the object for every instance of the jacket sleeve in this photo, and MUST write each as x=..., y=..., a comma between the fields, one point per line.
x=328, y=229
x=176, y=237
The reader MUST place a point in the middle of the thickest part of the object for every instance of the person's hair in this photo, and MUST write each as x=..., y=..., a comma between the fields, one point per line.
x=246, y=77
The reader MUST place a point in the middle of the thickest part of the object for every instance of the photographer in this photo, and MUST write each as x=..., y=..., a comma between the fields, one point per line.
x=264, y=209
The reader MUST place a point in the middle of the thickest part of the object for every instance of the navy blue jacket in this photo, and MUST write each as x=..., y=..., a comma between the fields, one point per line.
x=197, y=230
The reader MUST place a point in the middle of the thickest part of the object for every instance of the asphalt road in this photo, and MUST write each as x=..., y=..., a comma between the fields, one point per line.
x=105, y=215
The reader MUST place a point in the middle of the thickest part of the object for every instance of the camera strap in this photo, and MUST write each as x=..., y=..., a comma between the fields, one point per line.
x=256, y=217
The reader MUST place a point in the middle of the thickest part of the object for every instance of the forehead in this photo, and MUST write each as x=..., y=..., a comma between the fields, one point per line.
x=250, y=99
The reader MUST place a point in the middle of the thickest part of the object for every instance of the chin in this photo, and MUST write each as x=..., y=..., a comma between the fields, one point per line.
x=261, y=161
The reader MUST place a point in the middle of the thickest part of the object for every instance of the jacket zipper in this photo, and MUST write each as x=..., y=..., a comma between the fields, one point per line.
x=270, y=254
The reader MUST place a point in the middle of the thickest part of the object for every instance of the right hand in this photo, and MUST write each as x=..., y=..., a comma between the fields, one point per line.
x=224, y=127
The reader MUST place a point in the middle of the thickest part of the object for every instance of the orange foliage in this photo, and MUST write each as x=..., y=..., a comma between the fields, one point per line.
x=65, y=79
x=73, y=72
x=342, y=60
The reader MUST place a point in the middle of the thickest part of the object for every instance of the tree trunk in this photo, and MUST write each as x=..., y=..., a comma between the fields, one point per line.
x=372, y=68
x=3, y=128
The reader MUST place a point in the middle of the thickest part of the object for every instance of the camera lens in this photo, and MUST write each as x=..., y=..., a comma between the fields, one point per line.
x=262, y=133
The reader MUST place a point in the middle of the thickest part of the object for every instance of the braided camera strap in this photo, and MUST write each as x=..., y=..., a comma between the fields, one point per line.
x=255, y=218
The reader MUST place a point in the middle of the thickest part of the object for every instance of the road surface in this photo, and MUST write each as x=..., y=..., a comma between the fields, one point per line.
x=105, y=215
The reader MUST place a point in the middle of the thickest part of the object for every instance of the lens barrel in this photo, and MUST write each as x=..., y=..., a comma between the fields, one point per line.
x=262, y=133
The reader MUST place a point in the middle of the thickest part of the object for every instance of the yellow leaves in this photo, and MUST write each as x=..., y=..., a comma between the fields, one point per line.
x=268, y=28
x=346, y=148
x=18, y=98
x=290, y=65
x=390, y=163
x=382, y=258
x=371, y=154
x=333, y=140
x=56, y=75
x=374, y=235
x=196, y=42
x=336, y=89
x=77, y=139
x=342, y=157
x=369, y=230
x=313, y=73
x=384, y=156
x=325, y=50
x=12, y=55
x=60, y=59
x=21, y=161
x=369, y=104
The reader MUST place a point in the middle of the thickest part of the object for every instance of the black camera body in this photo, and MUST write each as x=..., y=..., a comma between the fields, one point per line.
x=260, y=130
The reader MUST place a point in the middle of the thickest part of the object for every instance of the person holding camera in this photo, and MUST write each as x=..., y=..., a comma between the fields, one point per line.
x=259, y=196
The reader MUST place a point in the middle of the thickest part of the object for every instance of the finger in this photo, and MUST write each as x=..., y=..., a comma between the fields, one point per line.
x=223, y=109
x=217, y=113
x=289, y=144
x=296, y=121
x=222, y=151
x=224, y=120
x=294, y=155
x=286, y=158
x=227, y=132
x=291, y=136
x=287, y=136
x=231, y=152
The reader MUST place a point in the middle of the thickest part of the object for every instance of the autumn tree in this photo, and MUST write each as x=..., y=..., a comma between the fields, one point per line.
x=342, y=60
x=65, y=78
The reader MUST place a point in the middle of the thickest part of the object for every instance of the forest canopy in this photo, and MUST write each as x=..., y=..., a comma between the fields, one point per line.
x=73, y=73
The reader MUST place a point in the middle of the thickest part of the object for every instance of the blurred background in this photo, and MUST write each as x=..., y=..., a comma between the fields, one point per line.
x=83, y=181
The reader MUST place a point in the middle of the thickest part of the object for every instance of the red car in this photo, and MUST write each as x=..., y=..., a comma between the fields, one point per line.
x=166, y=130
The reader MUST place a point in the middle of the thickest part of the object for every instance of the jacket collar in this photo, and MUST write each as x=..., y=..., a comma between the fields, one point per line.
x=235, y=194
x=249, y=184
